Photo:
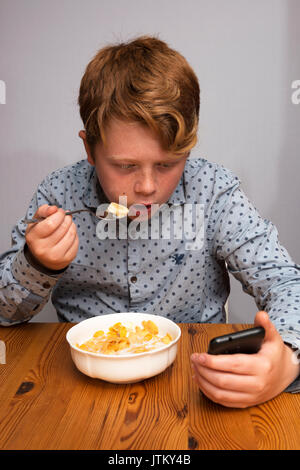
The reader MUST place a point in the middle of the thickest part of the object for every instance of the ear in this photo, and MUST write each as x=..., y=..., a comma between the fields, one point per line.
x=82, y=135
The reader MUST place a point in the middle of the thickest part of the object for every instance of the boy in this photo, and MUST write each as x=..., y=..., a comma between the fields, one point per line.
x=139, y=103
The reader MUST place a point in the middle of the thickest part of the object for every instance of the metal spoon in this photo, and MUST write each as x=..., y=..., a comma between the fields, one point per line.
x=108, y=216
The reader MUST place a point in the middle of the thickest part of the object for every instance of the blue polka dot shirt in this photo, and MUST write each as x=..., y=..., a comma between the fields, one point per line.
x=158, y=275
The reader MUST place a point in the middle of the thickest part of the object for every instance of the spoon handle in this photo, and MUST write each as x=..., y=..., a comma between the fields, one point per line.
x=32, y=221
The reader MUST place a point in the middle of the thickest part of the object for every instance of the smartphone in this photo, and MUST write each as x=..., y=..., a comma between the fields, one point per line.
x=242, y=342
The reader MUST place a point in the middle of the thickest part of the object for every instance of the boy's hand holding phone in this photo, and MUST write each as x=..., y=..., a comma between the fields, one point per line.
x=243, y=380
x=53, y=242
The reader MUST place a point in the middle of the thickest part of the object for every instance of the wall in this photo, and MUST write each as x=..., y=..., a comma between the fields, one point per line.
x=243, y=51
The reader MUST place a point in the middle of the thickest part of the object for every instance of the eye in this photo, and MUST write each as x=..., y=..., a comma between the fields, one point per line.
x=126, y=167
x=166, y=165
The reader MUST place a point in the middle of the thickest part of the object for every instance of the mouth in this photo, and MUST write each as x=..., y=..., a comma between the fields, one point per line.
x=141, y=209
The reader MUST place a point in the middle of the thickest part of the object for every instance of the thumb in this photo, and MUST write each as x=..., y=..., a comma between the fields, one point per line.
x=51, y=210
x=45, y=210
x=262, y=319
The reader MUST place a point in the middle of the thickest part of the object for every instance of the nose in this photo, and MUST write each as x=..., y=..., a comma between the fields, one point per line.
x=145, y=184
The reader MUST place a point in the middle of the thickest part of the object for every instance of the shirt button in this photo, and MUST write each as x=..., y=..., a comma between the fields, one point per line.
x=46, y=285
x=133, y=279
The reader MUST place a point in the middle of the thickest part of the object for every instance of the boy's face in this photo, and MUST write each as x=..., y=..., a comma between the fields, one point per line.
x=133, y=164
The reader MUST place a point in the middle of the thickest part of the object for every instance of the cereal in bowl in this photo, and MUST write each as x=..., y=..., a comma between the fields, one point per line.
x=121, y=339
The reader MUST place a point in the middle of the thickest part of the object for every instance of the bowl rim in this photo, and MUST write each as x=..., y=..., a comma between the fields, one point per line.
x=129, y=355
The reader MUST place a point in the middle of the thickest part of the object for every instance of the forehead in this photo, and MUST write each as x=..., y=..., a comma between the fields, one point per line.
x=131, y=138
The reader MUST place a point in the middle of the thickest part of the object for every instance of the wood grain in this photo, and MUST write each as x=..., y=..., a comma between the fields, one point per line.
x=46, y=403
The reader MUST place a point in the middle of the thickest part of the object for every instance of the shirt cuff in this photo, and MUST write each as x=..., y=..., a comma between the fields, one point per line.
x=31, y=278
x=292, y=342
x=294, y=387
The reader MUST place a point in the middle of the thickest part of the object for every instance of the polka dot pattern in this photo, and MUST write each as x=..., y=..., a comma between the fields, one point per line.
x=159, y=276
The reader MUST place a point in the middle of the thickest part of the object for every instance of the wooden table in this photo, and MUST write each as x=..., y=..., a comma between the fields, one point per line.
x=46, y=403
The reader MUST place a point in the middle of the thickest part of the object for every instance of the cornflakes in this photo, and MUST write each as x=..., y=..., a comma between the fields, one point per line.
x=117, y=209
x=121, y=339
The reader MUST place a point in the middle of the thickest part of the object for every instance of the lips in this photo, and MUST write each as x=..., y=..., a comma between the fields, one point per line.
x=139, y=208
x=143, y=204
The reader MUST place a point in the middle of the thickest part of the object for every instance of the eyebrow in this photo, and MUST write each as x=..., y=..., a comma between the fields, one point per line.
x=120, y=157
x=132, y=159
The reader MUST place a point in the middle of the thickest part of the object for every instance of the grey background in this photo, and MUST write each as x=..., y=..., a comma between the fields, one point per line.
x=245, y=53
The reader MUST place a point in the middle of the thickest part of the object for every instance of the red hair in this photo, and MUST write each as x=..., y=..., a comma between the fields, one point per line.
x=141, y=81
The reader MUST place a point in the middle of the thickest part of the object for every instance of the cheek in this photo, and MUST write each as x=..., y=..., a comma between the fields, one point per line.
x=169, y=181
x=113, y=185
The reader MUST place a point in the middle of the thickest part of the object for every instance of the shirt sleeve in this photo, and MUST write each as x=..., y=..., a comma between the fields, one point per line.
x=250, y=246
x=24, y=289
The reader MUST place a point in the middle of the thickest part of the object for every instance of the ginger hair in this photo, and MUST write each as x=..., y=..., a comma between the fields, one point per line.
x=143, y=81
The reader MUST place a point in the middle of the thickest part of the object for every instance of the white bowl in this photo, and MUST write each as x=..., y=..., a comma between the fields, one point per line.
x=125, y=368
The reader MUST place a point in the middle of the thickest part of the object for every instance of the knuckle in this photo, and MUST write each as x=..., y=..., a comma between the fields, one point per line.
x=66, y=223
x=38, y=252
x=266, y=366
x=76, y=246
x=71, y=255
x=76, y=243
x=51, y=224
x=39, y=256
x=259, y=386
x=40, y=209
x=64, y=227
x=222, y=382
x=28, y=237
x=70, y=235
x=218, y=396
x=55, y=260
x=74, y=226
x=73, y=229
x=67, y=219
x=236, y=363
x=55, y=256
x=70, y=258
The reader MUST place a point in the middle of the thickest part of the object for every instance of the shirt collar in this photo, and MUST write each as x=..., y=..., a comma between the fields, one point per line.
x=178, y=196
x=191, y=168
x=93, y=195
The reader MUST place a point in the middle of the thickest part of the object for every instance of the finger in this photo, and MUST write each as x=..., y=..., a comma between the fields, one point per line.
x=244, y=364
x=42, y=213
x=65, y=243
x=226, y=398
x=61, y=232
x=69, y=239
x=262, y=319
x=56, y=256
x=230, y=381
x=72, y=251
x=51, y=210
x=46, y=228
x=45, y=210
